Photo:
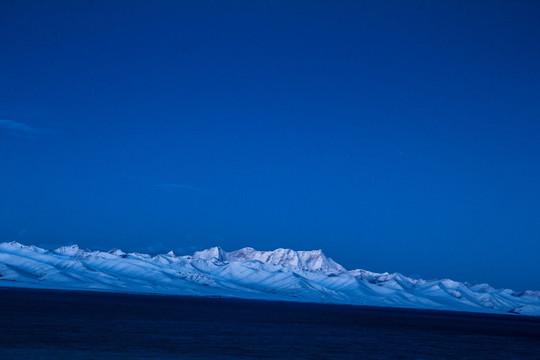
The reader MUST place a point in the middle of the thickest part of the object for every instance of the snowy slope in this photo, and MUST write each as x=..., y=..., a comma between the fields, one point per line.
x=281, y=274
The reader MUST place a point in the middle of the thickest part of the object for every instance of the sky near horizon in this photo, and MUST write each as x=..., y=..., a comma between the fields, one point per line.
x=396, y=136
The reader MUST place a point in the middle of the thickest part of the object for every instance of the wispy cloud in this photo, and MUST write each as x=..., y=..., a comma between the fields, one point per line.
x=18, y=128
x=173, y=187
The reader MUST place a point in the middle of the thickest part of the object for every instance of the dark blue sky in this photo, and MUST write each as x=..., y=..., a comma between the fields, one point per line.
x=396, y=136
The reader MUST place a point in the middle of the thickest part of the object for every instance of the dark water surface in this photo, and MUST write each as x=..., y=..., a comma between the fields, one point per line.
x=44, y=324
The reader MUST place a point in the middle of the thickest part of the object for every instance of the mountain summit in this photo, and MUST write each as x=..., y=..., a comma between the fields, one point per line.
x=314, y=260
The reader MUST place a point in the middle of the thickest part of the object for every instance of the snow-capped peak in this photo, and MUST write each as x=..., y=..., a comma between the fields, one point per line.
x=17, y=245
x=117, y=252
x=14, y=244
x=314, y=260
x=68, y=250
x=215, y=252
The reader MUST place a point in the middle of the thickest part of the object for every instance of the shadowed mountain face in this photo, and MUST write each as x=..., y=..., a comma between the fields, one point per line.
x=282, y=274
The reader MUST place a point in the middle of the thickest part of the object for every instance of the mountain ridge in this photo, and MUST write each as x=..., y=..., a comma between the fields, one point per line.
x=281, y=274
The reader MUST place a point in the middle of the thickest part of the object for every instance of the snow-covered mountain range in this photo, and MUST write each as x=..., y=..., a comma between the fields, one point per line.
x=281, y=274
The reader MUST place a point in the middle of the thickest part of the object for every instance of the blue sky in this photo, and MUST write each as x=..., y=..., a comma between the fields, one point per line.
x=395, y=136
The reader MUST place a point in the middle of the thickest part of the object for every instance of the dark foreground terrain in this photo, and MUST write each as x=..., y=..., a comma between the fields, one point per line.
x=45, y=324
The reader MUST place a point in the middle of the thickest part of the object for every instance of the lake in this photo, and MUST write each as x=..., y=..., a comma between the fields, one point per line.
x=50, y=324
